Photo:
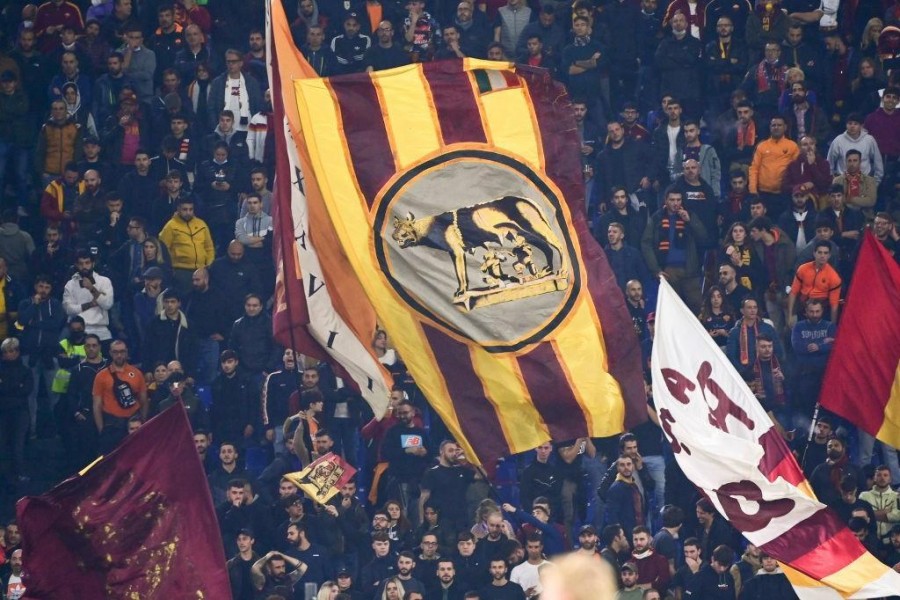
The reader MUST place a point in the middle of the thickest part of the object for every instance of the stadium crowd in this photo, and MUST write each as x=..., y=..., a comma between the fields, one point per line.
x=738, y=150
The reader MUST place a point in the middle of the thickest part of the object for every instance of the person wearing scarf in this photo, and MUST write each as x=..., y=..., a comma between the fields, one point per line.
x=741, y=348
x=826, y=478
x=234, y=91
x=767, y=383
x=624, y=501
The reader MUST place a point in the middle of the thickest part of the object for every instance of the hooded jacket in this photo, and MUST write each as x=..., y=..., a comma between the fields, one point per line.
x=40, y=324
x=16, y=246
x=867, y=146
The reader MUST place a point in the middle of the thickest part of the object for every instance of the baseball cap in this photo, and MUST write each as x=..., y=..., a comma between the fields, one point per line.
x=629, y=566
x=587, y=529
x=7, y=75
x=153, y=273
x=91, y=139
x=351, y=15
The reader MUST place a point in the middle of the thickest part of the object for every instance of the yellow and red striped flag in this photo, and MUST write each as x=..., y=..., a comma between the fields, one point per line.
x=450, y=194
x=860, y=384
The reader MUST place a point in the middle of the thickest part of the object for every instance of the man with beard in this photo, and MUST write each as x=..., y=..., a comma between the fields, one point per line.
x=448, y=587
x=500, y=587
x=89, y=295
x=624, y=163
x=251, y=337
x=587, y=541
x=79, y=435
x=444, y=484
x=798, y=222
x=709, y=167
x=713, y=581
x=189, y=241
x=88, y=207
x=700, y=196
x=232, y=415
x=653, y=568
x=625, y=501
x=405, y=447
x=406, y=563
x=622, y=212
x=276, y=579
x=810, y=170
x=805, y=117
x=119, y=393
x=826, y=477
x=637, y=308
x=734, y=292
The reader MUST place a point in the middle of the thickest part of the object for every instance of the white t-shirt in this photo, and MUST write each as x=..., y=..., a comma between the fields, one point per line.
x=829, y=19
x=527, y=576
x=15, y=589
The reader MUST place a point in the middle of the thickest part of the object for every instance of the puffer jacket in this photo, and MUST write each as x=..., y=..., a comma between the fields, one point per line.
x=189, y=242
x=58, y=143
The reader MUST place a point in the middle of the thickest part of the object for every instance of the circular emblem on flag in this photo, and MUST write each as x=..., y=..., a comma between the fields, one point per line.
x=476, y=242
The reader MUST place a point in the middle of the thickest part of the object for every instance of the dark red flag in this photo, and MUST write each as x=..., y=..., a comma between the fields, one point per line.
x=138, y=524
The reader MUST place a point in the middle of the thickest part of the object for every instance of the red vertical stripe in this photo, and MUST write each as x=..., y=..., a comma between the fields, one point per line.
x=777, y=460
x=556, y=403
x=563, y=166
x=365, y=132
x=454, y=101
x=817, y=546
x=477, y=417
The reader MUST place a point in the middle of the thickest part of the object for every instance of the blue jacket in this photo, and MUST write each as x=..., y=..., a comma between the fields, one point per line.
x=733, y=350
x=41, y=325
x=805, y=333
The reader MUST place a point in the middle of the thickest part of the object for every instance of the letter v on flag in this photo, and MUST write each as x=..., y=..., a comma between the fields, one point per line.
x=862, y=381
x=728, y=446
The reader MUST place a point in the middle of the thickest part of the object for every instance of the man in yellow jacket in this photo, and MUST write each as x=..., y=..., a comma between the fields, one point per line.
x=770, y=163
x=189, y=242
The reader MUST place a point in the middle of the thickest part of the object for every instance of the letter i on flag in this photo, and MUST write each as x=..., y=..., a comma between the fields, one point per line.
x=448, y=197
x=139, y=523
x=862, y=381
x=728, y=446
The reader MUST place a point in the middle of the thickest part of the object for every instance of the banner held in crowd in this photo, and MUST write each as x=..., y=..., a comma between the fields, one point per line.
x=323, y=478
x=727, y=445
x=139, y=523
x=320, y=313
x=459, y=212
x=861, y=385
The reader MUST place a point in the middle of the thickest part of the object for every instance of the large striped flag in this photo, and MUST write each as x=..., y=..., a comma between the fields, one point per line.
x=728, y=446
x=862, y=382
x=448, y=196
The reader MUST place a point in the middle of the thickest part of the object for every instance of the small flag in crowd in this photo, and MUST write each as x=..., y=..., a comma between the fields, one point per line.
x=727, y=445
x=323, y=478
x=138, y=524
x=862, y=381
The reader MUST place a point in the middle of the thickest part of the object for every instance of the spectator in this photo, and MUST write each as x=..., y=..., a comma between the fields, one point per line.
x=386, y=54
x=17, y=386
x=233, y=416
x=320, y=56
x=770, y=162
x=90, y=296
x=678, y=62
x=826, y=477
x=139, y=62
x=860, y=191
x=584, y=63
x=777, y=253
x=125, y=131
x=14, y=137
x=855, y=138
x=626, y=504
x=235, y=277
x=16, y=246
x=188, y=239
x=742, y=338
x=50, y=19
x=798, y=222
x=59, y=143
x=810, y=171
x=818, y=280
x=119, y=393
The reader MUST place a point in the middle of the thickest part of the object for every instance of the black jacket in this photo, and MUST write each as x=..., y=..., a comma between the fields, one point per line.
x=41, y=325
x=233, y=407
x=679, y=64
x=251, y=338
x=167, y=340
x=16, y=383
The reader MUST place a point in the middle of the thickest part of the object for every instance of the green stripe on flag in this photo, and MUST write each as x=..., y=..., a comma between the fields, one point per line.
x=483, y=81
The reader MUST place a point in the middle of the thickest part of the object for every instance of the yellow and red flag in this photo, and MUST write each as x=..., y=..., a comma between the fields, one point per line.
x=138, y=523
x=449, y=197
x=862, y=381
x=323, y=478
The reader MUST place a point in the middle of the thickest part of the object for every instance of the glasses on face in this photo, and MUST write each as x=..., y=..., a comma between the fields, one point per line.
x=429, y=543
x=232, y=61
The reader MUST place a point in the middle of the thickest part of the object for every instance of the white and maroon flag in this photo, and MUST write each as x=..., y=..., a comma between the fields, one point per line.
x=727, y=445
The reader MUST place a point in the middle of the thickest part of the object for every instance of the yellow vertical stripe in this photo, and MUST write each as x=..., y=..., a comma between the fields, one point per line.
x=320, y=118
x=580, y=348
x=500, y=375
x=890, y=427
x=409, y=115
x=510, y=120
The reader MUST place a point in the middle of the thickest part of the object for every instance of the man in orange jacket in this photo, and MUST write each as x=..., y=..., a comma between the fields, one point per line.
x=770, y=163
